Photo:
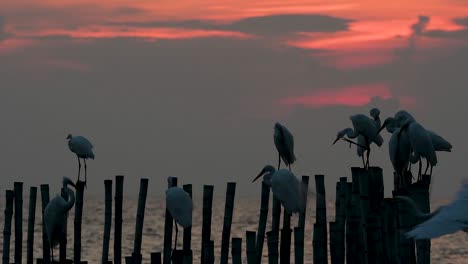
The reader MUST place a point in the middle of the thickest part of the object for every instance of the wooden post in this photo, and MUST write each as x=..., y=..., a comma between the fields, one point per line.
x=236, y=251
x=298, y=245
x=276, y=214
x=77, y=223
x=320, y=226
x=63, y=244
x=31, y=220
x=373, y=220
x=187, y=243
x=364, y=184
x=285, y=245
x=107, y=220
x=140, y=217
x=119, y=181
x=356, y=217
x=156, y=258
x=209, y=252
x=206, y=221
x=374, y=239
x=305, y=190
x=18, y=188
x=250, y=247
x=333, y=227
x=404, y=222
x=7, y=227
x=172, y=182
x=45, y=241
x=262, y=221
x=228, y=212
x=177, y=256
x=420, y=195
x=340, y=220
x=389, y=231
x=273, y=241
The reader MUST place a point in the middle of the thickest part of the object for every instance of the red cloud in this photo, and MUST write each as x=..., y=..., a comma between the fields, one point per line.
x=358, y=95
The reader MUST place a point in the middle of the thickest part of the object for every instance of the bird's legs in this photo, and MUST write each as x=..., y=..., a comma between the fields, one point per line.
x=368, y=152
x=420, y=169
x=79, y=168
x=175, y=240
x=427, y=166
x=289, y=165
x=363, y=161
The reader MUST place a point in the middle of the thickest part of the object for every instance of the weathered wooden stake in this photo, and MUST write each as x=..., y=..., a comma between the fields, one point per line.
x=285, y=245
x=119, y=181
x=77, y=223
x=31, y=220
x=355, y=220
x=206, y=220
x=305, y=190
x=333, y=227
x=187, y=242
x=340, y=220
x=420, y=195
x=107, y=220
x=298, y=245
x=320, y=226
x=168, y=223
x=136, y=255
x=18, y=188
x=156, y=258
x=45, y=241
x=236, y=250
x=209, y=252
x=63, y=244
x=262, y=221
x=273, y=241
x=228, y=212
x=250, y=247
x=7, y=227
x=364, y=184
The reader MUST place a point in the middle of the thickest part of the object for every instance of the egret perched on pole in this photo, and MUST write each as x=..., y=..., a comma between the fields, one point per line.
x=180, y=206
x=284, y=143
x=55, y=216
x=445, y=220
x=285, y=187
x=367, y=128
x=83, y=149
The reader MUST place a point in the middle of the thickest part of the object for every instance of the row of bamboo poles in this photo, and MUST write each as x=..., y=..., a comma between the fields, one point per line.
x=367, y=227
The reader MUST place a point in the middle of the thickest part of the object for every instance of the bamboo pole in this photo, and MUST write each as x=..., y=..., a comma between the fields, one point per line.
x=285, y=245
x=389, y=232
x=31, y=220
x=209, y=252
x=420, y=195
x=156, y=258
x=228, y=213
x=45, y=241
x=340, y=220
x=18, y=188
x=77, y=223
x=177, y=256
x=119, y=181
x=250, y=247
x=7, y=226
x=298, y=245
x=206, y=221
x=333, y=227
x=168, y=223
x=276, y=214
x=364, y=184
x=107, y=220
x=63, y=244
x=140, y=217
x=187, y=241
x=273, y=241
x=236, y=251
x=262, y=221
x=356, y=217
x=374, y=239
x=320, y=226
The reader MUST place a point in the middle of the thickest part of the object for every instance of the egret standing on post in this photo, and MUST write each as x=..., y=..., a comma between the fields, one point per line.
x=82, y=148
x=55, y=216
x=284, y=143
x=180, y=206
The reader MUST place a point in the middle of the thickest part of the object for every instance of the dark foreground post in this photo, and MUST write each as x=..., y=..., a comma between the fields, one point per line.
x=209, y=252
x=420, y=195
x=63, y=244
x=262, y=220
x=45, y=241
x=299, y=245
x=31, y=220
x=136, y=256
x=228, y=212
x=107, y=220
x=18, y=187
x=156, y=258
x=250, y=247
x=77, y=223
x=320, y=226
x=236, y=251
x=187, y=242
x=172, y=182
x=273, y=241
x=119, y=180
x=206, y=221
x=285, y=245
x=7, y=227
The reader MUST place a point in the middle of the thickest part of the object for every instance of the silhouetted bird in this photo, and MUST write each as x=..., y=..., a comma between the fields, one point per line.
x=284, y=143
x=83, y=149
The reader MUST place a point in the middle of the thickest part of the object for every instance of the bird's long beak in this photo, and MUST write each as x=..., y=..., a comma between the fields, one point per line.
x=72, y=184
x=259, y=175
x=336, y=140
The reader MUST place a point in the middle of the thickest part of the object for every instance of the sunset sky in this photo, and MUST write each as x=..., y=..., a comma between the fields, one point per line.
x=193, y=88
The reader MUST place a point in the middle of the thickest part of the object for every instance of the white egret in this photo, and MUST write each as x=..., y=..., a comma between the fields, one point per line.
x=284, y=143
x=364, y=126
x=55, y=216
x=180, y=206
x=285, y=187
x=445, y=220
x=83, y=149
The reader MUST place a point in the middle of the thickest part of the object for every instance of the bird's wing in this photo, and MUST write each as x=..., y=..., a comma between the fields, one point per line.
x=286, y=188
x=81, y=146
x=440, y=144
x=180, y=206
x=289, y=142
x=450, y=219
x=284, y=143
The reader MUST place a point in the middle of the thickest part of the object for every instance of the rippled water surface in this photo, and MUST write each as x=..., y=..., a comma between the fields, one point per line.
x=448, y=249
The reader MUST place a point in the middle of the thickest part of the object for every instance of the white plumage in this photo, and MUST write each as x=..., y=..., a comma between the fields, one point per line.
x=55, y=214
x=399, y=146
x=284, y=143
x=285, y=187
x=446, y=220
x=83, y=149
x=179, y=204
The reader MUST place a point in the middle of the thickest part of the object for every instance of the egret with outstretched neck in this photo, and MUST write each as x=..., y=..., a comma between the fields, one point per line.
x=284, y=143
x=83, y=149
x=55, y=216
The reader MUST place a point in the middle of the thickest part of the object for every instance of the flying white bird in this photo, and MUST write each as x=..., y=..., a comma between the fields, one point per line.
x=285, y=187
x=180, y=206
x=445, y=220
x=284, y=143
x=367, y=128
x=82, y=148
x=55, y=214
